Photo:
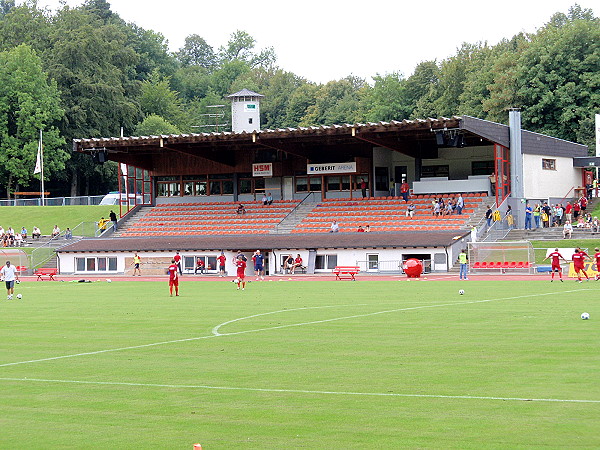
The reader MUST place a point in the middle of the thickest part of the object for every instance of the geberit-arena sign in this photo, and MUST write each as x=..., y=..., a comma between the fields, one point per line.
x=314, y=169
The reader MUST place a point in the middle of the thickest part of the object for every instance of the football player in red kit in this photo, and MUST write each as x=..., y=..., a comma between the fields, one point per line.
x=173, y=278
x=241, y=272
x=597, y=258
x=578, y=260
x=556, y=257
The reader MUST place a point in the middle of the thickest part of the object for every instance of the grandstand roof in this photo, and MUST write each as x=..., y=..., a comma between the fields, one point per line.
x=407, y=239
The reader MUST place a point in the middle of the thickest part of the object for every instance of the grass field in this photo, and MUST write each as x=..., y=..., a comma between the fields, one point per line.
x=296, y=364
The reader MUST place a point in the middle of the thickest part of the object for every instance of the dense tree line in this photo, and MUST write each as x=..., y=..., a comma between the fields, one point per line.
x=85, y=72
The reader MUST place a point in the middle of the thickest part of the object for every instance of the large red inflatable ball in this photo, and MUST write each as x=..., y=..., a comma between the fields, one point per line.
x=413, y=268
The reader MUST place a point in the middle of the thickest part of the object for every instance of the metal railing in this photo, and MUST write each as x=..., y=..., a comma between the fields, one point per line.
x=85, y=200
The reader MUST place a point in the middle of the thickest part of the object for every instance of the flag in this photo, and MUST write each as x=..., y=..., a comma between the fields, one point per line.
x=597, y=134
x=38, y=162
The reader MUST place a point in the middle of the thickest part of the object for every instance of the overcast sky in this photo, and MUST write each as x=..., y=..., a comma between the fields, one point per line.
x=327, y=40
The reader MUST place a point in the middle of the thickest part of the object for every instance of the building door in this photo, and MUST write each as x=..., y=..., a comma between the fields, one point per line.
x=288, y=188
x=400, y=172
x=372, y=262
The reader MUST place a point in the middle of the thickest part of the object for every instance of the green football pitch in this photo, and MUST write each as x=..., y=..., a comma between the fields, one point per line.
x=298, y=364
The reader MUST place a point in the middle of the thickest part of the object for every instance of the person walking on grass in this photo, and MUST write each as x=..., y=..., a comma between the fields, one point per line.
x=9, y=275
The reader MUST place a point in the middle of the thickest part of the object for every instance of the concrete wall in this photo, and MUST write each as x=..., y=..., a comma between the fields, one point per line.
x=540, y=183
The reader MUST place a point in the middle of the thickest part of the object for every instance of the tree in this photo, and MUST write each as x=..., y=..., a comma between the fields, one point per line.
x=157, y=98
x=29, y=102
x=387, y=99
x=154, y=125
x=197, y=52
x=240, y=47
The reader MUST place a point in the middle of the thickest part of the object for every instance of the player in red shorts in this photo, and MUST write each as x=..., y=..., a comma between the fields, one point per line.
x=556, y=257
x=241, y=272
x=173, y=278
x=597, y=258
x=578, y=260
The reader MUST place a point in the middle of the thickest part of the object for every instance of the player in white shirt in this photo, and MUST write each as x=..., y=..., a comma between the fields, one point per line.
x=9, y=275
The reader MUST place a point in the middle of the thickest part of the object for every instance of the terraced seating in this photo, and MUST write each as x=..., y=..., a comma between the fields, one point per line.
x=386, y=214
x=213, y=218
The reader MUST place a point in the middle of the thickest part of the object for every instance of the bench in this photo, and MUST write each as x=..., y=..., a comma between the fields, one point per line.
x=285, y=270
x=46, y=272
x=346, y=272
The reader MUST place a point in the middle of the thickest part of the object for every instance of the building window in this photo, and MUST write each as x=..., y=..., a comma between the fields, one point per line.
x=96, y=264
x=435, y=171
x=325, y=262
x=482, y=167
x=382, y=182
x=548, y=164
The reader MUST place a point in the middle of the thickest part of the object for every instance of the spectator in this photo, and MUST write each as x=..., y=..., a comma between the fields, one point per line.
x=297, y=263
x=595, y=225
x=492, y=178
x=436, y=209
x=56, y=231
x=264, y=200
x=404, y=190
x=528, y=214
x=460, y=204
x=548, y=211
x=576, y=210
x=537, y=211
x=199, y=265
x=288, y=262
x=488, y=216
x=360, y=229
x=241, y=209
x=24, y=232
x=68, y=234
x=113, y=218
x=18, y=241
x=392, y=188
x=449, y=208
x=569, y=212
x=102, y=223
x=2, y=231
x=410, y=210
x=567, y=230
x=363, y=187
x=334, y=227
x=367, y=229
x=35, y=234
x=583, y=203
x=269, y=199
x=558, y=214
x=510, y=220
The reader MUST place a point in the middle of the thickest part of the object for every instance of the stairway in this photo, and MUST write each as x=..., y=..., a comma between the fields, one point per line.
x=129, y=221
x=294, y=218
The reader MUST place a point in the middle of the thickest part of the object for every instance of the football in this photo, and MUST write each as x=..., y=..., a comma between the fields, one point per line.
x=585, y=316
x=461, y=292
x=19, y=296
x=108, y=280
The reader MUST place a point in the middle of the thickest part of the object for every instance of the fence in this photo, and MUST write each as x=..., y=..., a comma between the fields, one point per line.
x=85, y=200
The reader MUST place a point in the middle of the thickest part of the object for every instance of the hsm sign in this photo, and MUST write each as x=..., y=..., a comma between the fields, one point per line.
x=262, y=170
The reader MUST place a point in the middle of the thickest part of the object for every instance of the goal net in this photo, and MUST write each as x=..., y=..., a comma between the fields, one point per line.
x=501, y=255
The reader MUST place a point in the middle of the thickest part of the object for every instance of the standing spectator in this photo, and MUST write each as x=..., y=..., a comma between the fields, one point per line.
x=36, y=233
x=102, y=223
x=548, y=211
x=404, y=190
x=569, y=212
x=363, y=187
x=583, y=203
x=576, y=211
x=488, y=216
x=173, y=278
x=221, y=261
x=464, y=264
x=392, y=188
x=259, y=260
x=537, y=211
x=137, y=261
x=460, y=204
x=9, y=274
x=334, y=227
x=528, y=214
x=113, y=218
x=558, y=214
x=492, y=178
x=510, y=220
x=177, y=259
x=410, y=210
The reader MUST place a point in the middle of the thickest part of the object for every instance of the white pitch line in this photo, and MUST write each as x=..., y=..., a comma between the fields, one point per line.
x=301, y=391
x=256, y=330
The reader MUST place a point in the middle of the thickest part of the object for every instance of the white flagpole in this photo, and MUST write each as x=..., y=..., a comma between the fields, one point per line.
x=42, y=167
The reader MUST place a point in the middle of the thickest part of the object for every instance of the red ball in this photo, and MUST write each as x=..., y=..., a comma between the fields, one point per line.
x=413, y=268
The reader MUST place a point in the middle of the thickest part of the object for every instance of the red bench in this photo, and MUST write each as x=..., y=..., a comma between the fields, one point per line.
x=46, y=272
x=346, y=272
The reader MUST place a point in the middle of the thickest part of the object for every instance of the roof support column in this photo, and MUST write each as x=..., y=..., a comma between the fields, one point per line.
x=516, y=155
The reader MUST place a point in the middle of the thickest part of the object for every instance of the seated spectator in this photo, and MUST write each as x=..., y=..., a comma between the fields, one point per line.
x=436, y=209
x=595, y=225
x=448, y=209
x=241, y=209
x=264, y=200
x=1, y=231
x=360, y=229
x=10, y=231
x=288, y=262
x=68, y=234
x=36, y=233
x=18, y=240
x=580, y=222
x=199, y=265
x=55, y=231
x=567, y=230
x=410, y=210
x=269, y=199
x=24, y=232
x=297, y=263
x=334, y=227
x=367, y=229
